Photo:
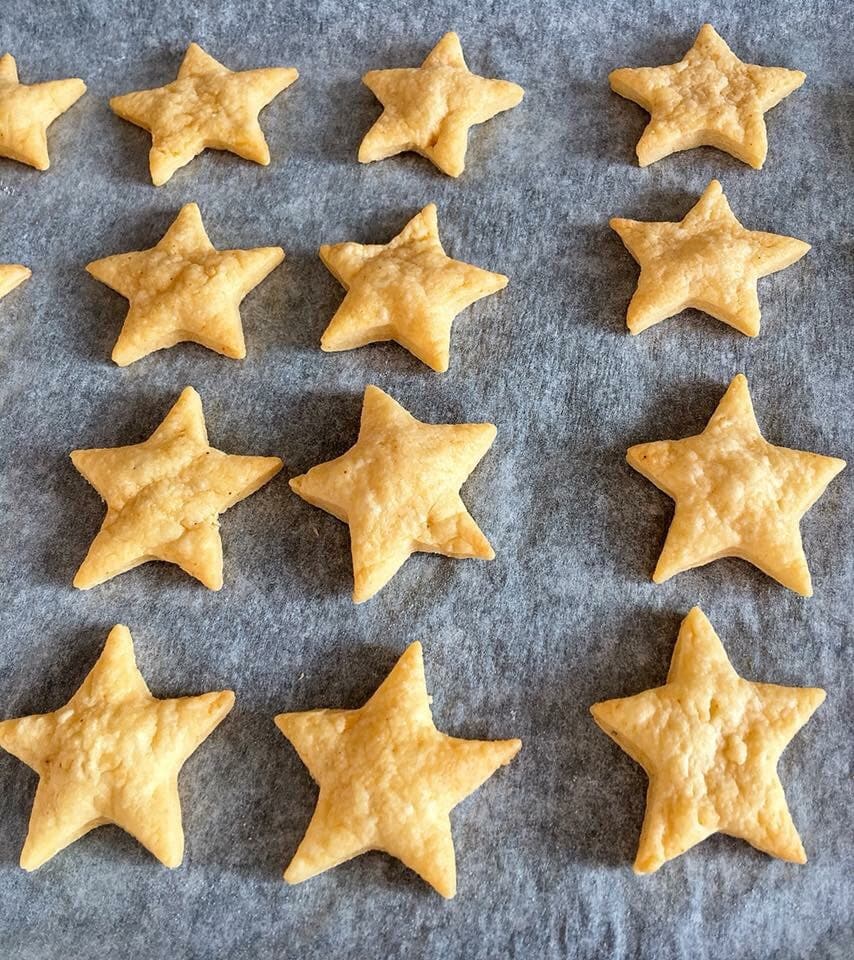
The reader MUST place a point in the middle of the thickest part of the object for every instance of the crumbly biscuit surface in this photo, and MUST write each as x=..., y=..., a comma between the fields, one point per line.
x=398, y=490
x=709, y=98
x=27, y=110
x=388, y=779
x=112, y=754
x=737, y=495
x=407, y=290
x=709, y=742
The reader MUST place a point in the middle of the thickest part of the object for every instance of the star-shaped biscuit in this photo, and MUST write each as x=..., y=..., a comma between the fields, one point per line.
x=406, y=290
x=737, y=495
x=27, y=110
x=388, y=779
x=430, y=108
x=709, y=742
x=208, y=105
x=12, y=275
x=398, y=490
x=710, y=98
x=184, y=289
x=707, y=261
x=112, y=754
x=164, y=497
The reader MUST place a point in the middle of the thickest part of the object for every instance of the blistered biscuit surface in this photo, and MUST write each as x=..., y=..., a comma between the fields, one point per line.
x=388, y=779
x=112, y=754
x=709, y=98
x=429, y=109
x=709, y=742
x=398, y=490
x=737, y=495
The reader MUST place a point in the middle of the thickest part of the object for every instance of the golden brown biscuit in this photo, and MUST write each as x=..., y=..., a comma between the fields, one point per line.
x=12, y=275
x=737, y=495
x=406, y=290
x=164, y=497
x=207, y=105
x=388, y=779
x=398, y=490
x=184, y=289
x=27, y=110
x=112, y=754
x=710, y=98
x=707, y=261
x=429, y=109
x=709, y=742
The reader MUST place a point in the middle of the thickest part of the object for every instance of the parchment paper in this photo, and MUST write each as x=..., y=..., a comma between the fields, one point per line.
x=520, y=647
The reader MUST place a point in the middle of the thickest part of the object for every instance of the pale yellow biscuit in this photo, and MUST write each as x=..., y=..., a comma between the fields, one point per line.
x=709, y=98
x=27, y=110
x=388, y=779
x=208, y=105
x=398, y=490
x=184, y=289
x=707, y=261
x=164, y=497
x=12, y=275
x=407, y=290
x=709, y=742
x=429, y=109
x=737, y=495
x=112, y=754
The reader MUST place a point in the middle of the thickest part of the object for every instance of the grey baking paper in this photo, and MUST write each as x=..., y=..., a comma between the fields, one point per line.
x=566, y=614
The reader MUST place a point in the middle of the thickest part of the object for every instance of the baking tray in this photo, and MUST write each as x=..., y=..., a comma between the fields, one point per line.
x=566, y=614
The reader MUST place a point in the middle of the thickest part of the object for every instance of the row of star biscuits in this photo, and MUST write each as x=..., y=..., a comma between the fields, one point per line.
x=428, y=109
x=389, y=779
x=398, y=489
x=709, y=98
x=184, y=289
x=736, y=494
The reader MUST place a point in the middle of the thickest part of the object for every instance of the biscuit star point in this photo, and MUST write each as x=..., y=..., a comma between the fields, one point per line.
x=206, y=106
x=430, y=109
x=12, y=275
x=27, y=110
x=357, y=758
x=709, y=742
x=112, y=754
